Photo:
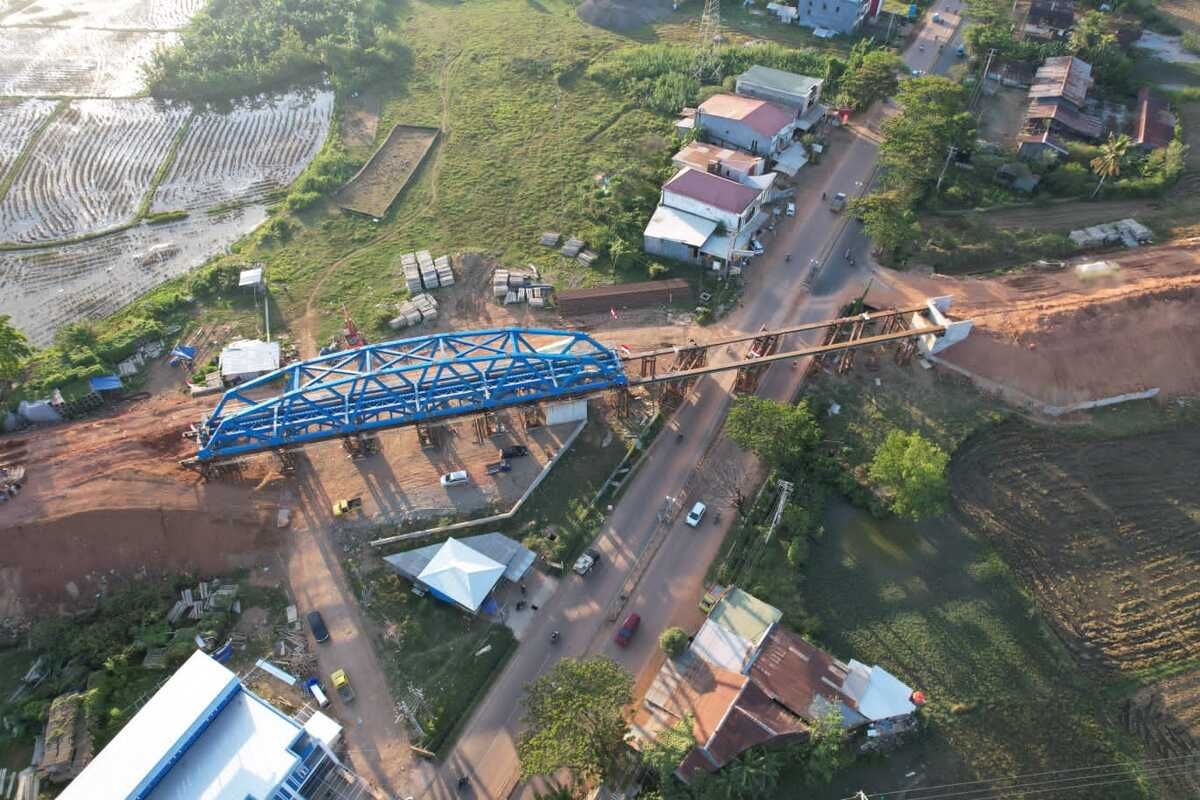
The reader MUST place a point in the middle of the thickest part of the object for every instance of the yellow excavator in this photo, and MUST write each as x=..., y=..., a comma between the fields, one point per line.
x=343, y=507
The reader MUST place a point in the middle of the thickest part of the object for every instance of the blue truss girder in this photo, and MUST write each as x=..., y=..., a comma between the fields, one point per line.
x=404, y=382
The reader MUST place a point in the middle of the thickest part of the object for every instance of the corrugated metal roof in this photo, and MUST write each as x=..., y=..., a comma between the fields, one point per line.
x=712, y=190
x=698, y=155
x=780, y=81
x=1155, y=123
x=745, y=615
x=762, y=116
x=1062, y=76
x=1082, y=124
x=249, y=357
x=802, y=677
x=679, y=226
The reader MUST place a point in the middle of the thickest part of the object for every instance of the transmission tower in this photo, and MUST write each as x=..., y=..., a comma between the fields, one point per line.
x=710, y=32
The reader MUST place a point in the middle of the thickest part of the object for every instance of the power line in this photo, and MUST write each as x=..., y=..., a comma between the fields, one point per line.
x=1040, y=782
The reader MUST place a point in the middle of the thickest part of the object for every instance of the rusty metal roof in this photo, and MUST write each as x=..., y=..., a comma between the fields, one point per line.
x=1155, y=122
x=1063, y=77
x=1083, y=124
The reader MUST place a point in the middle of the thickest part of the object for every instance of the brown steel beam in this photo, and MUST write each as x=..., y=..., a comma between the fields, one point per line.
x=811, y=326
x=808, y=351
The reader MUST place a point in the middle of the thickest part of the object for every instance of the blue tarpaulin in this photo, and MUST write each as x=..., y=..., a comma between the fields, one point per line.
x=105, y=383
x=182, y=353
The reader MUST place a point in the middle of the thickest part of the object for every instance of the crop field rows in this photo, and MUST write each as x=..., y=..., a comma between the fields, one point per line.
x=93, y=166
x=89, y=170
x=18, y=122
x=43, y=290
x=75, y=62
x=132, y=15
x=246, y=153
x=1103, y=532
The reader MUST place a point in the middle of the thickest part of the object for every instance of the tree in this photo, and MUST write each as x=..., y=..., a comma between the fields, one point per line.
x=574, y=718
x=870, y=77
x=664, y=755
x=933, y=118
x=618, y=251
x=752, y=775
x=673, y=641
x=889, y=220
x=913, y=470
x=1112, y=156
x=14, y=349
x=825, y=752
x=778, y=433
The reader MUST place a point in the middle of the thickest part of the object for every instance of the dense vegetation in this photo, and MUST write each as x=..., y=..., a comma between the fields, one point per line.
x=242, y=47
x=662, y=77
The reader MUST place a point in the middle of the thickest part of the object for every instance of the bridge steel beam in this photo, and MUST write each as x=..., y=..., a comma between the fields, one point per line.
x=415, y=380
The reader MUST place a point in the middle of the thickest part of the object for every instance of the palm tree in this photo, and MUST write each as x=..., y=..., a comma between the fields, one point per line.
x=1112, y=155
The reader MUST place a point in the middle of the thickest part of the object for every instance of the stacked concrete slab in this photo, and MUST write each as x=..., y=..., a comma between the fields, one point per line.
x=420, y=308
x=520, y=286
x=412, y=273
x=445, y=274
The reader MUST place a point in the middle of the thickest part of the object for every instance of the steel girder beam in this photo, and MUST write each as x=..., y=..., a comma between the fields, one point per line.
x=403, y=382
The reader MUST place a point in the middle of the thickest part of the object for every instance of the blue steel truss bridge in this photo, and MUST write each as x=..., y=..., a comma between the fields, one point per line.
x=425, y=380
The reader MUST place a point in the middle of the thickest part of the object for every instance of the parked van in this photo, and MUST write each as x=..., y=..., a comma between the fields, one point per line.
x=314, y=688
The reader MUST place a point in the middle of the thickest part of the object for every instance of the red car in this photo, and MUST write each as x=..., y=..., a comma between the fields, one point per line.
x=627, y=630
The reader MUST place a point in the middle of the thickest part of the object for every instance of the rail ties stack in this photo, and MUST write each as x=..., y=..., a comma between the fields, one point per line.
x=572, y=248
x=520, y=286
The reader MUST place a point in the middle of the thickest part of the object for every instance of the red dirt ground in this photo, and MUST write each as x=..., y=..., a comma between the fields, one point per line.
x=1062, y=339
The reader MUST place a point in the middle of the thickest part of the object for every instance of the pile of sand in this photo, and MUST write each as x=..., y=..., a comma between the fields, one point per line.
x=623, y=15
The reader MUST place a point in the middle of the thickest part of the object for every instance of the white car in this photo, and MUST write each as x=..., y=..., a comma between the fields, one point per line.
x=791, y=209
x=456, y=478
x=918, y=73
x=696, y=514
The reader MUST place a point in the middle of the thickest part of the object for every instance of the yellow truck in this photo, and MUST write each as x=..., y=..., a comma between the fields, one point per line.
x=342, y=684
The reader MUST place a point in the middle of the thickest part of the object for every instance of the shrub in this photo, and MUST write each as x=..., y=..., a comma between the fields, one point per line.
x=656, y=270
x=797, y=552
x=298, y=201
x=673, y=641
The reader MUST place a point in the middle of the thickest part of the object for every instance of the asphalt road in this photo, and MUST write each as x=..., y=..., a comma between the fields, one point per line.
x=776, y=295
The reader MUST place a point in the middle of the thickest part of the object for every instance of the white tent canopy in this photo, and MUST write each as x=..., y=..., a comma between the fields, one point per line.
x=461, y=574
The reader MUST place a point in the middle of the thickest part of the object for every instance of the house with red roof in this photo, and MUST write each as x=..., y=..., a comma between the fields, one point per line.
x=703, y=218
x=757, y=126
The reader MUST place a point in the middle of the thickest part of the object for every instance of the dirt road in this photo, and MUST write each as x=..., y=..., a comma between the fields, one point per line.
x=1068, y=216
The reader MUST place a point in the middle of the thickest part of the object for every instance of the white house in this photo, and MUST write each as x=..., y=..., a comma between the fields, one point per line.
x=704, y=217
x=757, y=126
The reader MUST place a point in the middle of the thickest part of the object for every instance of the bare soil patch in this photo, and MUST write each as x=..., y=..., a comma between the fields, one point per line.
x=1184, y=13
x=1102, y=531
x=623, y=15
x=377, y=185
x=1165, y=717
x=1002, y=115
x=1063, y=339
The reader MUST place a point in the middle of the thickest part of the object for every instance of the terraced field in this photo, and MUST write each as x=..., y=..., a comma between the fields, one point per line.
x=1103, y=533
x=89, y=170
x=19, y=120
x=245, y=154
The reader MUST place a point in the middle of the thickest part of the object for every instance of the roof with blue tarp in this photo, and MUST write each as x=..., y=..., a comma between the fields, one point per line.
x=105, y=383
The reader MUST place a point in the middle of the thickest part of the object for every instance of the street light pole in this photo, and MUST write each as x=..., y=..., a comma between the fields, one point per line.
x=950, y=151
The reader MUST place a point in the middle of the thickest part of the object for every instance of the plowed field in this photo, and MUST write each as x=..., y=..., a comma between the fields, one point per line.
x=75, y=62
x=18, y=122
x=1102, y=531
x=1165, y=717
x=137, y=15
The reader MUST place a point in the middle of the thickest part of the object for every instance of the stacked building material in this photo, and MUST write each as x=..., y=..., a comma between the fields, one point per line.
x=587, y=258
x=412, y=273
x=429, y=275
x=572, y=247
x=412, y=312
x=500, y=283
x=550, y=239
x=445, y=274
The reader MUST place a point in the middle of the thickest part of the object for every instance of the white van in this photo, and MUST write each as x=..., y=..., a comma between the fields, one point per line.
x=318, y=693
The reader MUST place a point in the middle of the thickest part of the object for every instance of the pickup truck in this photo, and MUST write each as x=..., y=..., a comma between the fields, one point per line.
x=342, y=684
